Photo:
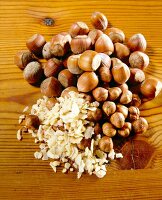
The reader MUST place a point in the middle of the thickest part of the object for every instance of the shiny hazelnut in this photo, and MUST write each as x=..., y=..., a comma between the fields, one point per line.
x=65, y=92
x=97, y=129
x=51, y=103
x=125, y=130
x=99, y=20
x=35, y=44
x=123, y=87
x=94, y=116
x=122, y=109
x=100, y=94
x=72, y=64
x=87, y=97
x=140, y=125
x=66, y=78
x=136, y=101
x=94, y=35
x=117, y=119
x=150, y=88
x=137, y=43
x=104, y=45
x=32, y=121
x=46, y=52
x=89, y=60
x=121, y=51
x=33, y=72
x=115, y=61
x=78, y=28
x=136, y=76
x=114, y=93
x=134, y=113
x=116, y=35
x=105, y=144
x=109, y=107
x=105, y=74
x=52, y=67
x=126, y=97
x=84, y=143
x=108, y=129
x=22, y=58
x=105, y=60
x=87, y=82
x=80, y=43
x=51, y=87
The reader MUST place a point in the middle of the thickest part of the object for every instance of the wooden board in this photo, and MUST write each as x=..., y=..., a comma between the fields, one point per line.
x=23, y=177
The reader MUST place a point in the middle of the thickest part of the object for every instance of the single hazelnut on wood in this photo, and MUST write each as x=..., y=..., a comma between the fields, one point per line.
x=66, y=78
x=108, y=129
x=140, y=125
x=97, y=129
x=125, y=130
x=46, y=52
x=136, y=101
x=105, y=60
x=136, y=76
x=94, y=35
x=104, y=45
x=122, y=109
x=137, y=43
x=65, y=92
x=99, y=20
x=35, y=44
x=139, y=60
x=22, y=58
x=89, y=60
x=80, y=43
x=72, y=64
x=33, y=72
x=105, y=144
x=32, y=121
x=121, y=51
x=94, y=116
x=114, y=93
x=151, y=87
x=51, y=103
x=117, y=119
x=87, y=82
x=134, y=113
x=105, y=74
x=109, y=107
x=51, y=87
x=78, y=28
x=126, y=97
x=100, y=94
x=84, y=143
x=116, y=35
x=52, y=67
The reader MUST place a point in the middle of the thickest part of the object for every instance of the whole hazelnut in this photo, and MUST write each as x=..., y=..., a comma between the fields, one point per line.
x=109, y=107
x=78, y=28
x=117, y=119
x=134, y=113
x=72, y=64
x=46, y=52
x=122, y=109
x=104, y=45
x=125, y=130
x=66, y=78
x=94, y=35
x=84, y=143
x=126, y=97
x=33, y=72
x=51, y=103
x=94, y=116
x=105, y=60
x=108, y=129
x=114, y=93
x=87, y=82
x=140, y=125
x=32, y=121
x=89, y=60
x=115, y=61
x=123, y=87
x=105, y=144
x=52, y=67
x=116, y=35
x=139, y=60
x=136, y=101
x=100, y=94
x=51, y=87
x=35, y=44
x=137, y=43
x=97, y=129
x=65, y=92
x=136, y=76
x=121, y=51
x=105, y=74
x=22, y=58
x=99, y=20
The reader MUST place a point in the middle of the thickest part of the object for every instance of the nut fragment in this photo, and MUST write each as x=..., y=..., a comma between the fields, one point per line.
x=94, y=115
x=52, y=67
x=105, y=144
x=66, y=78
x=84, y=143
x=109, y=107
x=100, y=94
x=140, y=125
x=78, y=28
x=108, y=129
x=99, y=20
x=116, y=35
x=117, y=119
x=32, y=121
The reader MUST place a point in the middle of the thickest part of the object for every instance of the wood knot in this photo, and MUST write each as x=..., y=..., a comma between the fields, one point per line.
x=48, y=21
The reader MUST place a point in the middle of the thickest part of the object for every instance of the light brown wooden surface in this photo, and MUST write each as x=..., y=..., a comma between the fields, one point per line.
x=23, y=177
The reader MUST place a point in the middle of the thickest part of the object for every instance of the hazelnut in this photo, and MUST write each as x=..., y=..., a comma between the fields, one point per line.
x=22, y=58
x=78, y=28
x=150, y=88
x=140, y=125
x=100, y=94
x=134, y=113
x=97, y=129
x=114, y=93
x=109, y=107
x=80, y=43
x=122, y=109
x=104, y=45
x=87, y=82
x=125, y=130
x=136, y=101
x=94, y=35
x=126, y=97
x=121, y=51
x=72, y=64
x=51, y=103
x=35, y=44
x=116, y=35
x=105, y=144
x=84, y=143
x=123, y=87
x=52, y=67
x=33, y=72
x=66, y=78
x=94, y=116
x=136, y=76
x=46, y=52
x=115, y=61
x=108, y=129
x=105, y=74
x=105, y=60
x=65, y=92
x=121, y=73
x=99, y=20
x=117, y=119
x=139, y=60
x=89, y=60
x=137, y=43
x=51, y=87
x=32, y=121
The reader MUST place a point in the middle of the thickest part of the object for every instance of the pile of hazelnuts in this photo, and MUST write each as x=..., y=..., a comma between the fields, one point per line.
x=100, y=63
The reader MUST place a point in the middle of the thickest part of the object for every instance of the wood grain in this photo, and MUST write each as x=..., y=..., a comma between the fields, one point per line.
x=23, y=177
